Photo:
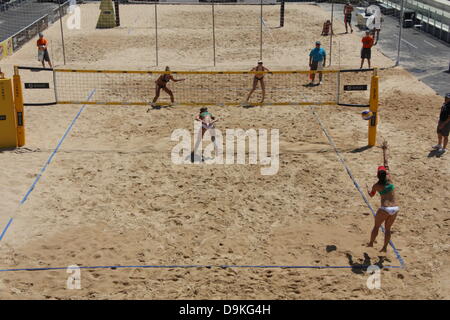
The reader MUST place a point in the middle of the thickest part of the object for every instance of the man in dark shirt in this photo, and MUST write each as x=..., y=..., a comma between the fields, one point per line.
x=443, y=128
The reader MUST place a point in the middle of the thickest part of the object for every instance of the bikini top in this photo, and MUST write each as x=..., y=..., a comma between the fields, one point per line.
x=388, y=188
x=166, y=78
x=204, y=114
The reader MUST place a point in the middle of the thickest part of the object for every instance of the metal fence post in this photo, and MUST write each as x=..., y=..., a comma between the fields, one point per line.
x=214, y=34
x=156, y=32
x=62, y=33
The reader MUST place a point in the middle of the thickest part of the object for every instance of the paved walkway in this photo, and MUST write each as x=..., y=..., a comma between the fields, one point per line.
x=15, y=19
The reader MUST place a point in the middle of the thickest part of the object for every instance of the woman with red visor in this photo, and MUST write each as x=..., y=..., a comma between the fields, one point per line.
x=388, y=209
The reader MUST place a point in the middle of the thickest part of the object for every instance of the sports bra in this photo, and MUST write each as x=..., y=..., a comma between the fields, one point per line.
x=388, y=188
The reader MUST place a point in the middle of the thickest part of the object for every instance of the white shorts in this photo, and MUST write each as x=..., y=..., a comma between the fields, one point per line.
x=390, y=210
x=41, y=55
x=207, y=125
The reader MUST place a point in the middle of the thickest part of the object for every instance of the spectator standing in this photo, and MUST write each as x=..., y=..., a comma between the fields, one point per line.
x=366, y=50
x=317, y=59
x=348, y=9
x=43, y=55
x=443, y=128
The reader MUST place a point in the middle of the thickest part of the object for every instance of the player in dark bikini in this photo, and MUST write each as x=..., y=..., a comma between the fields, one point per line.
x=389, y=208
x=259, y=77
x=161, y=83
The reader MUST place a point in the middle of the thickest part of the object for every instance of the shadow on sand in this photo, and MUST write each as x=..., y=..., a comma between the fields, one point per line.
x=360, y=268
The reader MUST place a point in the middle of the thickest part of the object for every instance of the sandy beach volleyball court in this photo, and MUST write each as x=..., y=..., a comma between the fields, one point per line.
x=112, y=196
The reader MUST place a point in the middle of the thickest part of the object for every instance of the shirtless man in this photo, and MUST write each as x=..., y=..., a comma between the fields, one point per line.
x=348, y=9
x=259, y=77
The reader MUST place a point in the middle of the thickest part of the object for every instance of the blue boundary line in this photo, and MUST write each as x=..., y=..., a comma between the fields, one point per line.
x=196, y=266
x=47, y=163
x=397, y=254
x=359, y=266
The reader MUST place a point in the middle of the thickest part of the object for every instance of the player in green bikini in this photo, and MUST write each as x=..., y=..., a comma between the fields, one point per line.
x=207, y=120
x=388, y=209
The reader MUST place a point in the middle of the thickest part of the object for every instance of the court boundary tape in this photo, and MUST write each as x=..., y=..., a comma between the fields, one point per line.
x=113, y=267
x=47, y=163
x=341, y=159
x=72, y=267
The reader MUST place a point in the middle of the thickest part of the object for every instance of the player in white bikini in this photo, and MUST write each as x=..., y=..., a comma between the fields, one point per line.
x=207, y=120
x=389, y=208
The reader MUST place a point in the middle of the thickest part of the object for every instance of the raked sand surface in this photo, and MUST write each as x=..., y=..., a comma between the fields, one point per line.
x=112, y=196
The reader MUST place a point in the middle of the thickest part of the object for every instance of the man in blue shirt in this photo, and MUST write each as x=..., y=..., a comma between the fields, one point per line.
x=317, y=58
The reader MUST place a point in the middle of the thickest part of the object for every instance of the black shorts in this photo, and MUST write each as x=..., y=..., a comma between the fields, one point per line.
x=348, y=18
x=46, y=56
x=366, y=53
x=445, y=130
x=164, y=86
x=315, y=65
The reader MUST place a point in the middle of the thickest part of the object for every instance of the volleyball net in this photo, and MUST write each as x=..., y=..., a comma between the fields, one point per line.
x=125, y=87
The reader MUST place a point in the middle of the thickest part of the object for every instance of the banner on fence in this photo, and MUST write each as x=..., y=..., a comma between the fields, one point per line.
x=6, y=48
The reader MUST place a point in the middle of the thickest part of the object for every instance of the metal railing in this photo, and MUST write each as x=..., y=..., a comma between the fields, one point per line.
x=429, y=19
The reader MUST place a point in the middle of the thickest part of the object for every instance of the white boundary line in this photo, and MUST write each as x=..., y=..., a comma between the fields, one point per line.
x=407, y=42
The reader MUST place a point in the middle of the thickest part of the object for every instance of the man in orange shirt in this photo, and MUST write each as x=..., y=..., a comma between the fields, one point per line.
x=43, y=55
x=366, y=50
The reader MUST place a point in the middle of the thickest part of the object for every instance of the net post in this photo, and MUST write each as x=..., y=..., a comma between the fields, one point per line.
x=214, y=33
x=54, y=86
x=261, y=31
x=18, y=106
x=8, y=125
x=156, y=32
x=282, y=14
x=397, y=62
x=374, y=99
x=62, y=32
x=331, y=35
x=117, y=10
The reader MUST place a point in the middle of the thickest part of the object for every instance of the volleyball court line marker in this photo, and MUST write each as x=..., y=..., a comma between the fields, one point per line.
x=359, y=266
x=341, y=159
x=47, y=163
x=196, y=266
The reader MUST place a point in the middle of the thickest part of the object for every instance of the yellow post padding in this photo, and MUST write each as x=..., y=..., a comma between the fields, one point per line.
x=8, y=121
x=18, y=103
x=374, y=99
